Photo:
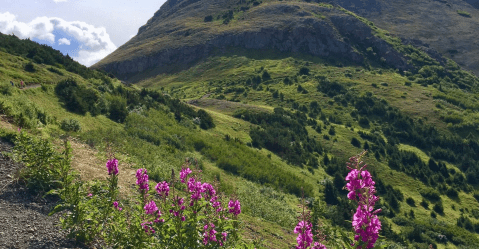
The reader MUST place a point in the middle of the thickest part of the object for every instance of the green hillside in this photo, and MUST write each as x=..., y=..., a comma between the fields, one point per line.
x=271, y=126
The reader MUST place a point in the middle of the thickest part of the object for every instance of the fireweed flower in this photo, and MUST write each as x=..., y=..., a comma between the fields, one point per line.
x=142, y=180
x=184, y=173
x=361, y=188
x=150, y=208
x=162, y=188
x=147, y=227
x=209, y=190
x=209, y=234
x=305, y=236
x=112, y=166
x=234, y=207
x=115, y=204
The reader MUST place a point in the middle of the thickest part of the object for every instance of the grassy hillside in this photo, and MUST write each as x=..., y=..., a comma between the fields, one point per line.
x=267, y=125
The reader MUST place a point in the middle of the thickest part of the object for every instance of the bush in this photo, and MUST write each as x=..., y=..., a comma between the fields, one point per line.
x=364, y=122
x=208, y=18
x=452, y=193
x=410, y=201
x=70, y=125
x=54, y=70
x=438, y=208
x=304, y=71
x=44, y=166
x=430, y=194
x=29, y=67
x=118, y=111
x=355, y=142
x=463, y=13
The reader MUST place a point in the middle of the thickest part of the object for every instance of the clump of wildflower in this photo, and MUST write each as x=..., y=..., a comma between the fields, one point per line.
x=234, y=207
x=115, y=204
x=142, y=180
x=112, y=166
x=209, y=234
x=90, y=194
x=150, y=208
x=195, y=188
x=162, y=188
x=147, y=227
x=184, y=173
x=209, y=190
x=361, y=188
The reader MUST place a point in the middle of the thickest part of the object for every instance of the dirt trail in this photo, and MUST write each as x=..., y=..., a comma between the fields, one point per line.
x=87, y=162
x=24, y=220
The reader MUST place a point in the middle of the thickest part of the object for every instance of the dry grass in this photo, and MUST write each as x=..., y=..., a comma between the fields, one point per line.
x=91, y=166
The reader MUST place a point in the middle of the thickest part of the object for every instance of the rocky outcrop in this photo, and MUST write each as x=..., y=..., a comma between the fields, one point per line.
x=336, y=38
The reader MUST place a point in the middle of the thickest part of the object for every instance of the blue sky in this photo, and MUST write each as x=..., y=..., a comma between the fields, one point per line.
x=87, y=30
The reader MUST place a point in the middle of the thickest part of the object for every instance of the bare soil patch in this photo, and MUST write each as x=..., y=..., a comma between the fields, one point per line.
x=24, y=220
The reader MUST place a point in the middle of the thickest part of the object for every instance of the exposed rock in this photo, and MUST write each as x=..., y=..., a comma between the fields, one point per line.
x=292, y=28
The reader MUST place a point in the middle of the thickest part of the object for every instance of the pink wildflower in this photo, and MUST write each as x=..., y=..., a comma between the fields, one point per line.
x=361, y=188
x=184, y=173
x=147, y=227
x=115, y=204
x=150, y=208
x=142, y=180
x=234, y=207
x=305, y=236
x=112, y=166
x=162, y=188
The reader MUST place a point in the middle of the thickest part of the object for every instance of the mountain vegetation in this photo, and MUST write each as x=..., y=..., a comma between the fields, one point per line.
x=273, y=124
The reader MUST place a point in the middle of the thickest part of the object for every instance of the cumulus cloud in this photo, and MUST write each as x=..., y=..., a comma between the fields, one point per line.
x=95, y=41
x=62, y=41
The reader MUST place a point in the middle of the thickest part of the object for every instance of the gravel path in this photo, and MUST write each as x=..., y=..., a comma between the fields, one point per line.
x=24, y=220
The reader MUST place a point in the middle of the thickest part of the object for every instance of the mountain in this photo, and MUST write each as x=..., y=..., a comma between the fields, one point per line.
x=448, y=26
x=182, y=33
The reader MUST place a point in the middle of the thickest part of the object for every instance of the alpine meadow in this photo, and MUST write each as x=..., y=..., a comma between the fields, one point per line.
x=301, y=124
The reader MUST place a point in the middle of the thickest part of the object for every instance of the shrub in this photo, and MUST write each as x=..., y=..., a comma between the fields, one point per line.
x=364, y=122
x=44, y=166
x=452, y=193
x=410, y=201
x=463, y=13
x=118, y=111
x=208, y=18
x=29, y=67
x=304, y=71
x=266, y=76
x=54, y=70
x=355, y=142
x=70, y=125
x=438, y=208
x=430, y=194
x=424, y=204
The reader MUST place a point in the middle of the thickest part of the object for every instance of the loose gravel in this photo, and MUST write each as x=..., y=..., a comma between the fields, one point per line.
x=24, y=220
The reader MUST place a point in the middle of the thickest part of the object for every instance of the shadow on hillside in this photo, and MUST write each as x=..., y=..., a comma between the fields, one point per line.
x=253, y=54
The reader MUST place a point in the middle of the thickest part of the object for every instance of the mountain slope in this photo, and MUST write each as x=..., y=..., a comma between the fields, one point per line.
x=178, y=36
x=448, y=26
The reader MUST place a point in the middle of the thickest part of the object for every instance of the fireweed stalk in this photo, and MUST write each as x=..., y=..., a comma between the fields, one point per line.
x=304, y=231
x=361, y=189
x=112, y=167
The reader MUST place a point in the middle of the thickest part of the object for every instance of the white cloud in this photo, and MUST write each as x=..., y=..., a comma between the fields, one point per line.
x=95, y=43
x=62, y=41
x=57, y=1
